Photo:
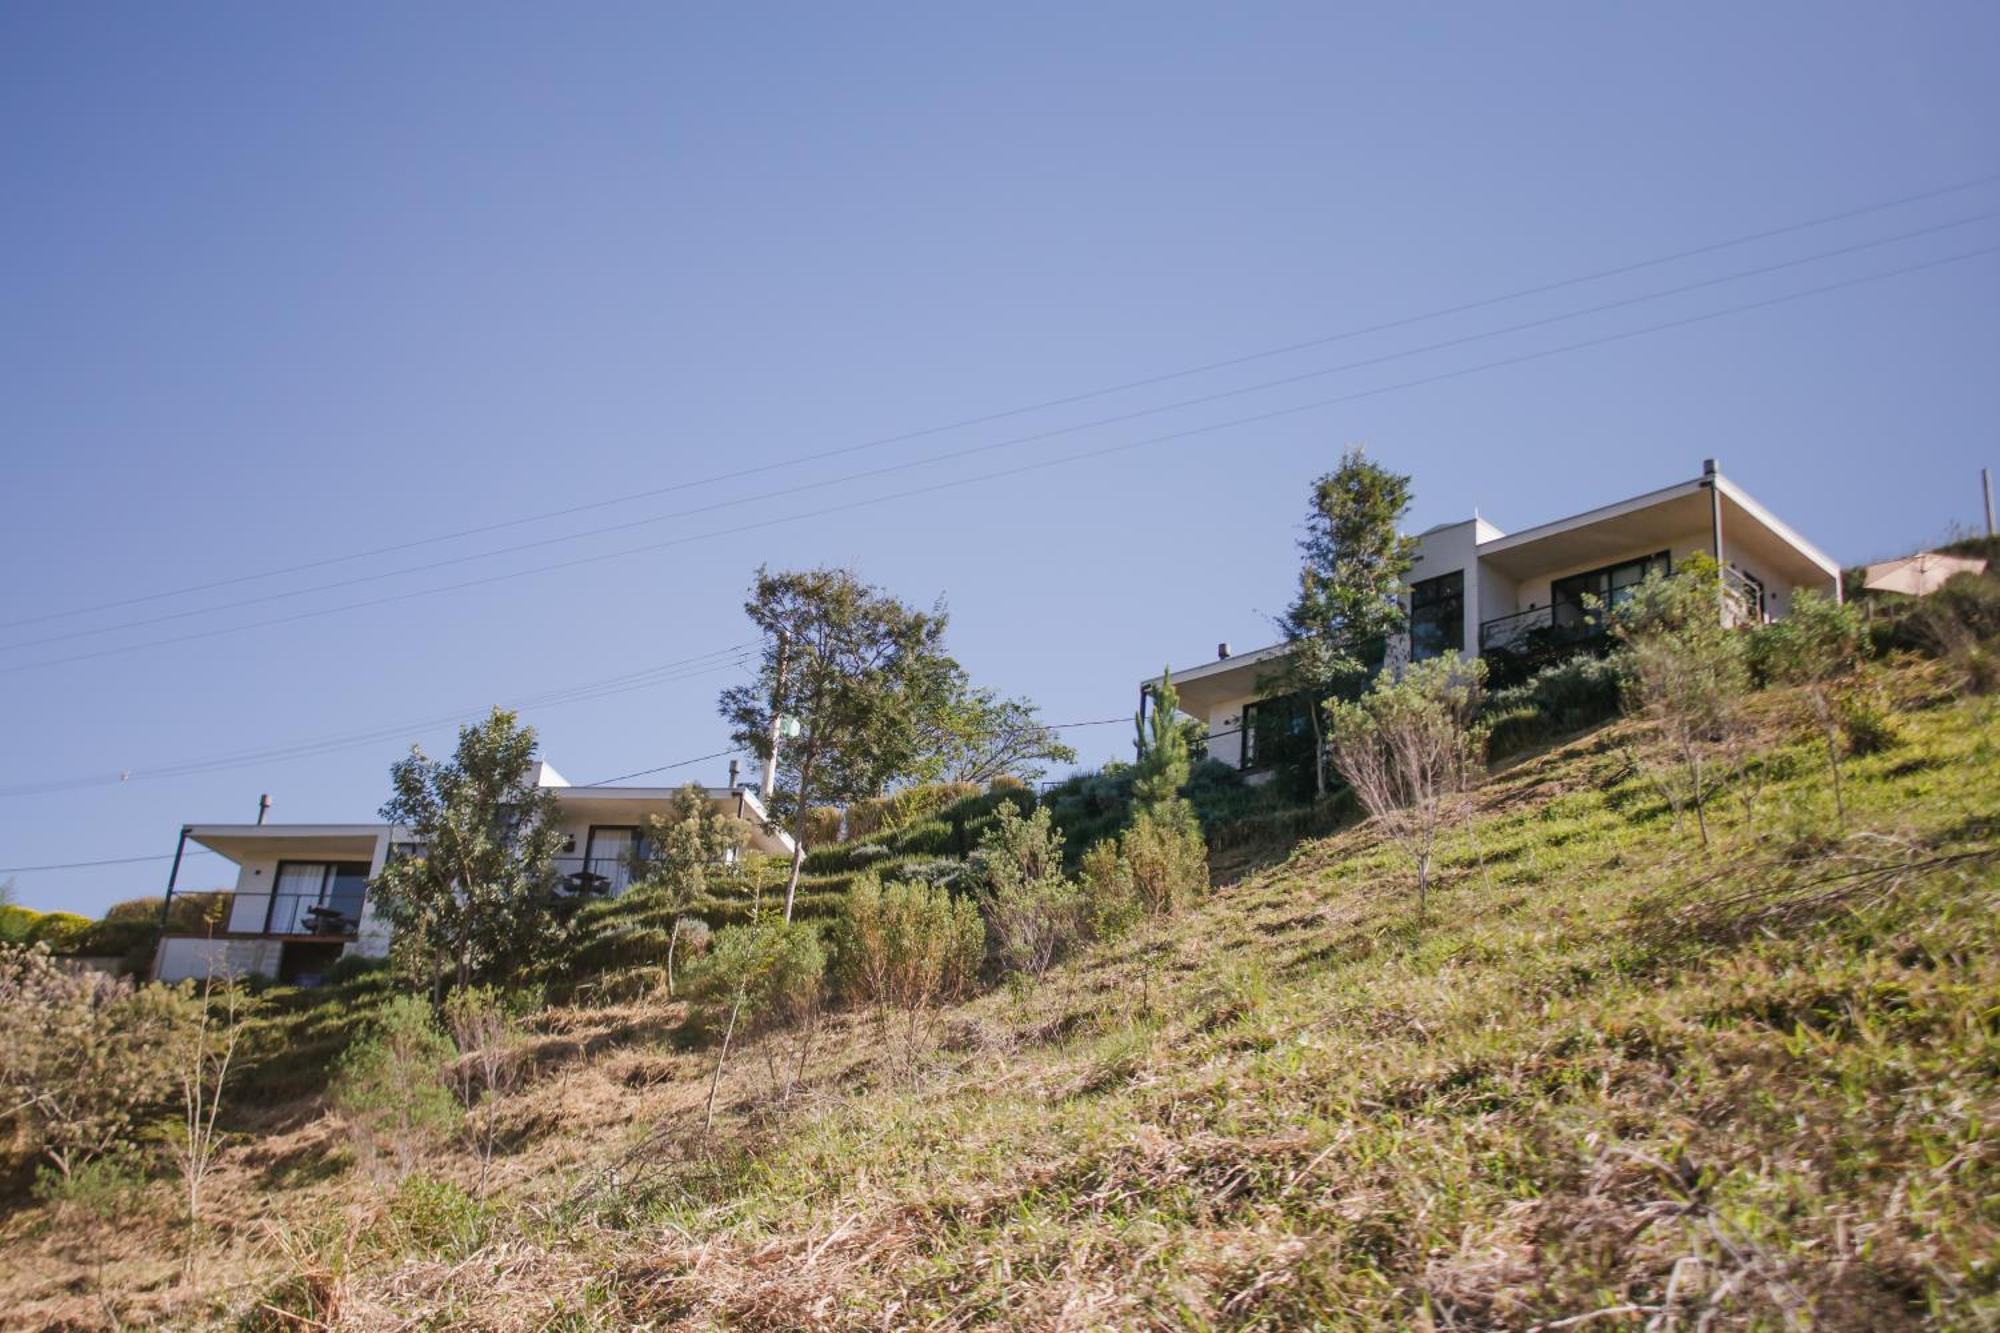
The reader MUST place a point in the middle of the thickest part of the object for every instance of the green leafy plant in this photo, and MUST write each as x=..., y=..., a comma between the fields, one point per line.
x=1035, y=910
x=1410, y=749
x=908, y=948
x=391, y=1086
x=475, y=897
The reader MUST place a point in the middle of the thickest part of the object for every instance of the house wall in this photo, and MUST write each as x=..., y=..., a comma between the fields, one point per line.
x=1456, y=547
x=255, y=876
x=1534, y=591
x=189, y=958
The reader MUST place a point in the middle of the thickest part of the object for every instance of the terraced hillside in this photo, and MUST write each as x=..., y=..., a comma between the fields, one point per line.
x=1613, y=1080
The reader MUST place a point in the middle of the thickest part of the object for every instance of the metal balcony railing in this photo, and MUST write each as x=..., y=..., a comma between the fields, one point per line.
x=594, y=876
x=309, y=914
x=1537, y=627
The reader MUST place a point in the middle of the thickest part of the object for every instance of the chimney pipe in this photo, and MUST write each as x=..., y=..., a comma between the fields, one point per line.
x=1708, y=468
x=1221, y=651
x=734, y=770
x=263, y=806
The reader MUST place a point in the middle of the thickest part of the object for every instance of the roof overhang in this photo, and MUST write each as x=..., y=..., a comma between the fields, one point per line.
x=241, y=842
x=1661, y=517
x=1203, y=687
x=631, y=805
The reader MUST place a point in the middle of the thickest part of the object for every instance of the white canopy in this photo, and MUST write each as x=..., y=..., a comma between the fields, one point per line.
x=1919, y=574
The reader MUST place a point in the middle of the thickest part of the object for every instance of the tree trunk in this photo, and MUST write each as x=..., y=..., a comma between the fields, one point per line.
x=799, y=827
x=708, y=1118
x=1319, y=749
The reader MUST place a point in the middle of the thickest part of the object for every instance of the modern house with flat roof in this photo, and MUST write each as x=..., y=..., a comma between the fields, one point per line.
x=301, y=899
x=1519, y=598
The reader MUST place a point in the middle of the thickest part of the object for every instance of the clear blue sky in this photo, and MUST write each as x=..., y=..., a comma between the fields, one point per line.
x=279, y=284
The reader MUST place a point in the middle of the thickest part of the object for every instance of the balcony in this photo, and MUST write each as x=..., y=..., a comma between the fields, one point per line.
x=1539, y=627
x=314, y=916
x=593, y=876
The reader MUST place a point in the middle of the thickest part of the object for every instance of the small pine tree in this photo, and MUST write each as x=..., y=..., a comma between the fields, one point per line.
x=1163, y=766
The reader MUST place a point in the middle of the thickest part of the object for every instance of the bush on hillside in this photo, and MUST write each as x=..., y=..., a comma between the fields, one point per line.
x=391, y=1090
x=1558, y=699
x=1965, y=611
x=1036, y=912
x=1167, y=860
x=16, y=923
x=62, y=932
x=1110, y=899
x=908, y=949
x=83, y=1058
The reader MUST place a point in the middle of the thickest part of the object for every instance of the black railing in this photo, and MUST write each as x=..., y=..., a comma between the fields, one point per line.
x=594, y=876
x=308, y=914
x=1538, y=626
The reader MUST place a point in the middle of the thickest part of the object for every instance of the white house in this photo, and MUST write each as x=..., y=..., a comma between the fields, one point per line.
x=301, y=899
x=1520, y=596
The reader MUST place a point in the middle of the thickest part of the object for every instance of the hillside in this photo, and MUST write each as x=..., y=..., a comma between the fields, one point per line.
x=1613, y=1078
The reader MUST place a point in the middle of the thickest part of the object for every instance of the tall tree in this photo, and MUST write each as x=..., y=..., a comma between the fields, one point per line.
x=478, y=890
x=1349, y=598
x=979, y=736
x=863, y=675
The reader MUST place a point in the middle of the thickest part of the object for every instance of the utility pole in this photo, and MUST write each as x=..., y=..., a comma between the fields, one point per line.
x=769, y=786
x=1986, y=484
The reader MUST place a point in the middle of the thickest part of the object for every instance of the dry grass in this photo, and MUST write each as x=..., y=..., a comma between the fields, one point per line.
x=1613, y=1083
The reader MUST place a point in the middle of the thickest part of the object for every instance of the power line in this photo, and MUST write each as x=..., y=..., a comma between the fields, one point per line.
x=1014, y=442
x=647, y=772
x=1043, y=405
x=113, y=861
x=686, y=669
x=999, y=474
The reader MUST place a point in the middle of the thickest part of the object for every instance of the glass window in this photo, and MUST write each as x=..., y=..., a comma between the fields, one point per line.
x=1437, y=616
x=1612, y=586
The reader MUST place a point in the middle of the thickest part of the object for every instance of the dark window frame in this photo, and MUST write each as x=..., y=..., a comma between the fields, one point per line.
x=328, y=872
x=1602, y=575
x=1426, y=597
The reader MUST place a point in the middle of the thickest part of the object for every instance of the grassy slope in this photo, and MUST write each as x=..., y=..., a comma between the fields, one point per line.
x=1585, y=1082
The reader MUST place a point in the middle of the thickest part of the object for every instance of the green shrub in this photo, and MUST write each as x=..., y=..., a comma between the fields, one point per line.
x=1865, y=725
x=770, y=971
x=1110, y=901
x=435, y=1218
x=1168, y=860
x=390, y=1088
x=907, y=946
x=1035, y=911
x=1558, y=699
x=17, y=923
x=63, y=932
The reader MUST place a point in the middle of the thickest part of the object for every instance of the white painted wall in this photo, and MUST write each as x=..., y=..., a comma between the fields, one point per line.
x=188, y=958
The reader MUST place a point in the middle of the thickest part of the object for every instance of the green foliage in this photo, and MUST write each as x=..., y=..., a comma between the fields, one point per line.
x=907, y=946
x=17, y=923
x=83, y=1058
x=978, y=736
x=435, y=1218
x=391, y=1086
x=1166, y=858
x=1110, y=897
x=476, y=897
x=62, y=932
x=770, y=972
x=691, y=851
x=1036, y=912
x=866, y=678
x=1349, y=599
x=1410, y=748
x=1561, y=698
x=108, y=1188
x=1350, y=575
x=1163, y=765
x=1818, y=640
x=1688, y=676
